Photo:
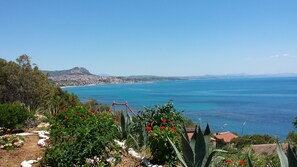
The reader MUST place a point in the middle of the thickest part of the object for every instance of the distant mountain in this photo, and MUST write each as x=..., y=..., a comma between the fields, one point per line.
x=73, y=71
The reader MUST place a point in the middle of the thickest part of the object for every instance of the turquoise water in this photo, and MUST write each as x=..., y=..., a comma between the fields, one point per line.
x=266, y=105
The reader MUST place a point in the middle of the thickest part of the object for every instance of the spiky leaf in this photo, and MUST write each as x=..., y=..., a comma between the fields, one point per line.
x=200, y=148
x=291, y=157
x=282, y=157
x=179, y=156
x=211, y=155
x=193, y=139
x=250, y=160
x=187, y=151
x=207, y=130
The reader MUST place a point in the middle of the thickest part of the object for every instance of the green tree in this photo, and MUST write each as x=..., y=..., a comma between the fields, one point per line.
x=22, y=82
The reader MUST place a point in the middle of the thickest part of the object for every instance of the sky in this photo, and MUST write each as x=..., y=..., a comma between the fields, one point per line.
x=153, y=37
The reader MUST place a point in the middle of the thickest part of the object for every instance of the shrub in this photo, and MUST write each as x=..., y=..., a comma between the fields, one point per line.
x=292, y=138
x=13, y=115
x=247, y=140
x=160, y=122
x=78, y=134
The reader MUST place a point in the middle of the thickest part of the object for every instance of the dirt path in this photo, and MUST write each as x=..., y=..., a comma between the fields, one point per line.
x=29, y=151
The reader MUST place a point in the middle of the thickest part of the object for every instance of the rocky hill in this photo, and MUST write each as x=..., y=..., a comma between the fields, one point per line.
x=79, y=76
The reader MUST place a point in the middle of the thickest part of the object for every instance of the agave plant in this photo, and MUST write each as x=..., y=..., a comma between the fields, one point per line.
x=286, y=161
x=196, y=152
x=125, y=121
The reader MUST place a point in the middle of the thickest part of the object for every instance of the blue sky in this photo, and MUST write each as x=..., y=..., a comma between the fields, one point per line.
x=153, y=37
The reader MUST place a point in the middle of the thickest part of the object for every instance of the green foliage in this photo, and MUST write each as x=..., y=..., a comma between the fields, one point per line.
x=247, y=140
x=160, y=122
x=78, y=133
x=22, y=82
x=125, y=124
x=13, y=115
x=196, y=152
x=295, y=122
x=292, y=138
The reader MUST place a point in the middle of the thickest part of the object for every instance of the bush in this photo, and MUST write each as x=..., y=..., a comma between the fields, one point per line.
x=160, y=122
x=292, y=138
x=247, y=140
x=78, y=134
x=13, y=115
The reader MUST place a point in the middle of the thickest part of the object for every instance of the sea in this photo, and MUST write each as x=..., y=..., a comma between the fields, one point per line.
x=240, y=105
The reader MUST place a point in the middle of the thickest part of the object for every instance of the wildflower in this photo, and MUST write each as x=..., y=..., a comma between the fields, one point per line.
x=96, y=112
x=66, y=118
x=241, y=162
x=228, y=161
x=73, y=101
x=148, y=128
x=78, y=114
x=162, y=127
x=151, y=123
x=164, y=120
x=173, y=129
x=170, y=122
x=89, y=112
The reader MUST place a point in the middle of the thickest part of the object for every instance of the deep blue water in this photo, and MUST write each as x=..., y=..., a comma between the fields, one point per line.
x=267, y=105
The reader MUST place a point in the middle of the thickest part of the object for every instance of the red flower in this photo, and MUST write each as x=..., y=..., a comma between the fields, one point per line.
x=173, y=129
x=66, y=106
x=228, y=161
x=88, y=113
x=148, y=128
x=66, y=118
x=170, y=122
x=96, y=112
x=73, y=101
x=151, y=123
x=164, y=120
x=78, y=114
x=162, y=127
x=241, y=162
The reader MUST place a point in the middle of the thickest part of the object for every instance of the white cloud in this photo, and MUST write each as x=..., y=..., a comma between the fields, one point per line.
x=280, y=56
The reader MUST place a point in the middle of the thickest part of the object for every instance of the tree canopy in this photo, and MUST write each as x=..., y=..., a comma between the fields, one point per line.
x=23, y=82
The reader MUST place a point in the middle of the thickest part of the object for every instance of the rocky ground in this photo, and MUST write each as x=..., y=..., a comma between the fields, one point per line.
x=29, y=151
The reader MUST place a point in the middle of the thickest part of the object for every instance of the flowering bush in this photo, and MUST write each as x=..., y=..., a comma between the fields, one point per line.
x=78, y=134
x=161, y=122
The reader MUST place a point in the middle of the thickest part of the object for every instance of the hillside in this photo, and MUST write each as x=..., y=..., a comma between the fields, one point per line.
x=79, y=76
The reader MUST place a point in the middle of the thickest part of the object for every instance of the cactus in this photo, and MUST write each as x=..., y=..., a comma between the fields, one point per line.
x=197, y=151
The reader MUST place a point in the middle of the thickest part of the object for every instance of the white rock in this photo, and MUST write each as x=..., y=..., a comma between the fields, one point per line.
x=41, y=125
x=24, y=134
x=42, y=135
x=28, y=163
x=41, y=142
x=18, y=144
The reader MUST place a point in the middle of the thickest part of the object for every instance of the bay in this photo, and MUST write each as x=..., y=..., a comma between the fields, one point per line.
x=244, y=106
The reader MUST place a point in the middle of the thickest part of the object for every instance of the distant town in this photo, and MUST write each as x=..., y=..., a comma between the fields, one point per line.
x=79, y=76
